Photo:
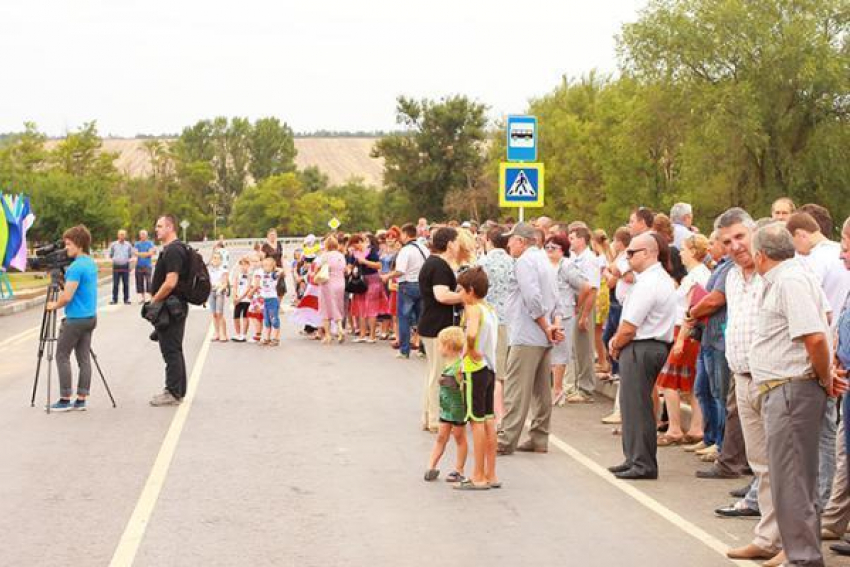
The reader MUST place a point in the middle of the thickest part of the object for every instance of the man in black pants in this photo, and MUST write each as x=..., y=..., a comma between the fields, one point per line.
x=641, y=345
x=172, y=265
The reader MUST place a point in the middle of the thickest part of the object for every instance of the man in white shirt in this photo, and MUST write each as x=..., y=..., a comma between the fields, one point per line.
x=408, y=263
x=642, y=344
x=586, y=261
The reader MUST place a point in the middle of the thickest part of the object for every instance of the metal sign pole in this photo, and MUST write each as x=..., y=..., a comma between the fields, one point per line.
x=522, y=214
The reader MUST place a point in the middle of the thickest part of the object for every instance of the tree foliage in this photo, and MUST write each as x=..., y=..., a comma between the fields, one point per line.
x=441, y=151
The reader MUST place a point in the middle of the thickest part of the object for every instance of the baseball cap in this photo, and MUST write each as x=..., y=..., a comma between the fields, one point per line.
x=524, y=230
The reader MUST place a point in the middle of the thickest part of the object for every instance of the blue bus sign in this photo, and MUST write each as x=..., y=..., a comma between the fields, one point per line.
x=522, y=138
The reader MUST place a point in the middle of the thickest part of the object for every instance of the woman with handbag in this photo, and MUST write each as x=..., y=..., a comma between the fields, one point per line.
x=367, y=303
x=330, y=277
x=676, y=379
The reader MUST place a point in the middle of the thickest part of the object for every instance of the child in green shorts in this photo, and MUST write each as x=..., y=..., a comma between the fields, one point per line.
x=452, y=406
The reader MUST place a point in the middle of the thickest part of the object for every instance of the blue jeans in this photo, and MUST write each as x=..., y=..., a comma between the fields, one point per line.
x=271, y=313
x=409, y=308
x=120, y=274
x=711, y=390
x=712, y=430
x=826, y=463
x=611, y=324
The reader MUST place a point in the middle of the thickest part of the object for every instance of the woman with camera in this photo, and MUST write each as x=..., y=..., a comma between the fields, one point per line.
x=79, y=298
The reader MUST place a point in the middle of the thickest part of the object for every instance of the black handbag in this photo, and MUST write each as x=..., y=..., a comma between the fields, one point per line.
x=354, y=282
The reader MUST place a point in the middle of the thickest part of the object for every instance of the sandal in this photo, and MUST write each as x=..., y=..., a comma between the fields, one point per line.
x=467, y=484
x=497, y=484
x=274, y=342
x=691, y=439
x=431, y=474
x=668, y=440
x=455, y=476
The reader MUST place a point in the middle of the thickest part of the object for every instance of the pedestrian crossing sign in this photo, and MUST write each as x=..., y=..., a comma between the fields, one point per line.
x=521, y=184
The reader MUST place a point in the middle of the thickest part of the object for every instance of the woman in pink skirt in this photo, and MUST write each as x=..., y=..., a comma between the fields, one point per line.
x=332, y=291
x=367, y=306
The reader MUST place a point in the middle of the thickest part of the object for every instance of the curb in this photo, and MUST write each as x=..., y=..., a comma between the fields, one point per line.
x=25, y=304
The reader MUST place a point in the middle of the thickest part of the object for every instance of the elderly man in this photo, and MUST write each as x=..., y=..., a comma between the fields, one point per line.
x=121, y=252
x=588, y=264
x=682, y=217
x=823, y=257
x=790, y=360
x=143, y=251
x=534, y=327
x=743, y=296
x=641, y=345
x=782, y=208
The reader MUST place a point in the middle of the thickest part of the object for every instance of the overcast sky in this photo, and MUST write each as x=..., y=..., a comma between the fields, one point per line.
x=155, y=66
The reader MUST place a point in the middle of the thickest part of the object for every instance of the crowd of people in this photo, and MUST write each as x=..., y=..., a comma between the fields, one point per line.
x=730, y=343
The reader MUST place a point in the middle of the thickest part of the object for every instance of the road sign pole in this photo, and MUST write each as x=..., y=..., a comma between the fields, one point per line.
x=522, y=214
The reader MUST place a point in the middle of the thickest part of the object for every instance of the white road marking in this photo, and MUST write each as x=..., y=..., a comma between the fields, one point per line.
x=130, y=541
x=647, y=501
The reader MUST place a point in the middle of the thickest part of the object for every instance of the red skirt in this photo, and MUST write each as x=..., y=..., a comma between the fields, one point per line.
x=680, y=371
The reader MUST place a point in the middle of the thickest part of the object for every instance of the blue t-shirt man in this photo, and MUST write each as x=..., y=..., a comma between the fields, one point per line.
x=83, y=271
x=143, y=246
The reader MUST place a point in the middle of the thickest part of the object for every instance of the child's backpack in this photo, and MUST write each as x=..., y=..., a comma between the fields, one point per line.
x=194, y=286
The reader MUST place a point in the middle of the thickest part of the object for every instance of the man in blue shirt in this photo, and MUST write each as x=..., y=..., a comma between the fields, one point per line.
x=79, y=298
x=143, y=251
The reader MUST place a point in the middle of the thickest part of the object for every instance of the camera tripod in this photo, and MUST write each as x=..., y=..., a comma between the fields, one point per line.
x=47, y=342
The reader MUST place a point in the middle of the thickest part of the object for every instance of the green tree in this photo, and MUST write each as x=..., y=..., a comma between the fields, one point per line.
x=313, y=179
x=80, y=154
x=762, y=79
x=272, y=147
x=441, y=148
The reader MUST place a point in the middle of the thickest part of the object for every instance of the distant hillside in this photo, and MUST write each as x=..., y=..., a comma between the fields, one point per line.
x=339, y=158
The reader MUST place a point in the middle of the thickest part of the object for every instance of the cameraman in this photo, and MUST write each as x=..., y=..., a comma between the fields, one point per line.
x=79, y=298
x=171, y=310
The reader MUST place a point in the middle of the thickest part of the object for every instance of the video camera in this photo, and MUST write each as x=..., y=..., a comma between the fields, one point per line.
x=49, y=257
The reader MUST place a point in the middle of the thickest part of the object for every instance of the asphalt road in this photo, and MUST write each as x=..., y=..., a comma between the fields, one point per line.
x=311, y=455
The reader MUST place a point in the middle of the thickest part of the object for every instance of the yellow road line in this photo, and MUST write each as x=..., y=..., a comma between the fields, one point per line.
x=647, y=501
x=130, y=541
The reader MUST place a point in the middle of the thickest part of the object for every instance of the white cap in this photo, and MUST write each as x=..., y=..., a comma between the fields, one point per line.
x=311, y=238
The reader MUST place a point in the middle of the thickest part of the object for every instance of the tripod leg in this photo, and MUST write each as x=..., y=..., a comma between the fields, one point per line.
x=52, y=294
x=51, y=346
x=102, y=377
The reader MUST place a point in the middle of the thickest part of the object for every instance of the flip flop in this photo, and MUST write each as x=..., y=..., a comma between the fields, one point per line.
x=455, y=476
x=467, y=484
x=667, y=441
x=495, y=485
x=431, y=474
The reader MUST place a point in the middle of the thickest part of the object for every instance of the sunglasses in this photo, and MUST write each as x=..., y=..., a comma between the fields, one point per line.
x=631, y=253
x=552, y=247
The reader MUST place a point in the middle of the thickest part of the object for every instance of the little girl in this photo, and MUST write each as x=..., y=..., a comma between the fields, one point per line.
x=452, y=407
x=241, y=300
x=218, y=294
x=266, y=281
x=255, y=306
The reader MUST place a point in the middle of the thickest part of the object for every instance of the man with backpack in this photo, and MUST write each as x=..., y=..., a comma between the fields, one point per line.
x=170, y=308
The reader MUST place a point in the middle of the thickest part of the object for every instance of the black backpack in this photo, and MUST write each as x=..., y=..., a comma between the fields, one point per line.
x=194, y=284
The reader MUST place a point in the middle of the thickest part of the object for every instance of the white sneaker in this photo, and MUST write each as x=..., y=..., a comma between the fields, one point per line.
x=166, y=398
